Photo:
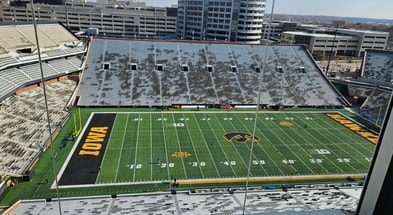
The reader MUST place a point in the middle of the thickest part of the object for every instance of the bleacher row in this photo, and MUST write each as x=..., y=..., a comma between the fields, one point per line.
x=24, y=125
x=13, y=60
x=14, y=78
x=378, y=65
x=168, y=73
x=16, y=37
x=376, y=102
x=220, y=202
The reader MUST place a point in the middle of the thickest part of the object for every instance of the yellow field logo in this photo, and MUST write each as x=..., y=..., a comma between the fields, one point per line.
x=286, y=123
x=240, y=137
x=181, y=154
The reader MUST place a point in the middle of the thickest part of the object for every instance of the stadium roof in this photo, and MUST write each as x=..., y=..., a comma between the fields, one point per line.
x=300, y=33
x=18, y=37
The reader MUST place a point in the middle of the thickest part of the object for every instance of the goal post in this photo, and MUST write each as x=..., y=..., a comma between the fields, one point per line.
x=77, y=120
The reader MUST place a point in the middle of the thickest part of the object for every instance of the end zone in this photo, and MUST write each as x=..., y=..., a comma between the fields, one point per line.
x=83, y=163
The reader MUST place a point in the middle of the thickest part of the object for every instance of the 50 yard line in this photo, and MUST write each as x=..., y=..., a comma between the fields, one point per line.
x=253, y=155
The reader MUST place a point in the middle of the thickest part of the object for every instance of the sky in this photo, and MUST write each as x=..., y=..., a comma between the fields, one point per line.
x=348, y=8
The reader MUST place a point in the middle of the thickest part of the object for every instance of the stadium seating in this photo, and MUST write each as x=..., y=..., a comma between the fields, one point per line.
x=24, y=127
x=375, y=103
x=16, y=78
x=7, y=60
x=19, y=60
x=160, y=78
x=378, y=66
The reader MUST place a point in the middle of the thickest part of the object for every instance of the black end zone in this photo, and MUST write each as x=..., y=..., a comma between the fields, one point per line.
x=85, y=162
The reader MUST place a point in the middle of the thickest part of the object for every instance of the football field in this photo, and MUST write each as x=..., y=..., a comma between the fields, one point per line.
x=201, y=146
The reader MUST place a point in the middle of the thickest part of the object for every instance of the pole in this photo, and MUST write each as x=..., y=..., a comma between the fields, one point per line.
x=257, y=111
x=331, y=50
x=379, y=114
x=80, y=120
x=46, y=106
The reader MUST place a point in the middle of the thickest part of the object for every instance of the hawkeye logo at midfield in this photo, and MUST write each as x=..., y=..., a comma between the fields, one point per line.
x=94, y=141
x=240, y=137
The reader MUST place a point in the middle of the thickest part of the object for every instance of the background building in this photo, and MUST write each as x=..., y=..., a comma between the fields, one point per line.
x=127, y=19
x=324, y=40
x=226, y=20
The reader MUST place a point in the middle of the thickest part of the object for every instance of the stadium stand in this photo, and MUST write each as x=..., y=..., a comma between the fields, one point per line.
x=61, y=55
x=374, y=87
x=155, y=73
x=375, y=105
x=24, y=127
x=321, y=201
x=21, y=36
x=378, y=67
x=17, y=77
x=167, y=73
x=22, y=120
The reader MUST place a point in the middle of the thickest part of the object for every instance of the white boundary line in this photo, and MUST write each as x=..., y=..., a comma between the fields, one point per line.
x=224, y=180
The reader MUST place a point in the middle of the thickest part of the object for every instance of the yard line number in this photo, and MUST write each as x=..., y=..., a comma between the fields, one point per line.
x=198, y=163
x=288, y=161
x=162, y=165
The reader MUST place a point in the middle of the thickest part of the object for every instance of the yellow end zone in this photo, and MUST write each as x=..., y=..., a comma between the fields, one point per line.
x=354, y=127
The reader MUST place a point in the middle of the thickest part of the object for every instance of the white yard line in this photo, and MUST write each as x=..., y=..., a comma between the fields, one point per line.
x=151, y=148
x=136, y=148
x=241, y=157
x=304, y=150
x=122, y=144
x=207, y=146
x=332, y=151
x=253, y=155
x=312, y=145
x=354, y=158
x=223, y=151
x=178, y=143
x=192, y=143
x=166, y=151
x=267, y=154
x=298, y=158
x=340, y=130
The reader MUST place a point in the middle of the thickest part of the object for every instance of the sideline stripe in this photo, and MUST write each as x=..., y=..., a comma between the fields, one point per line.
x=302, y=178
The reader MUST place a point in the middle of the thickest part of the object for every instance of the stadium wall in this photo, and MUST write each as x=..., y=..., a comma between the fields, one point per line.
x=27, y=88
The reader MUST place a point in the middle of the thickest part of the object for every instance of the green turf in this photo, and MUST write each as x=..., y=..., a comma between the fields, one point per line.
x=286, y=147
x=321, y=133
